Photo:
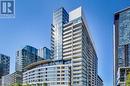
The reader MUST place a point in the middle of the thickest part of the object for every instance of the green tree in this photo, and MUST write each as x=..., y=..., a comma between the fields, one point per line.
x=128, y=79
x=27, y=85
x=16, y=84
x=44, y=84
x=38, y=84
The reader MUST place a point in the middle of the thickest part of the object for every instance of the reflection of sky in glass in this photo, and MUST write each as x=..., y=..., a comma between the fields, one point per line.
x=59, y=18
x=120, y=56
x=129, y=54
x=124, y=28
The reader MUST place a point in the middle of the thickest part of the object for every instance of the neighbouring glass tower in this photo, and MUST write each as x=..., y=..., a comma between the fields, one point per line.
x=60, y=17
x=26, y=56
x=121, y=46
x=44, y=53
x=4, y=65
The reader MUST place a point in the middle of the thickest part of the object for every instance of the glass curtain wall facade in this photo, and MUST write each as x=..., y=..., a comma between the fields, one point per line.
x=44, y=53
x=4, y=65
x=121, y=43
x=26, y=56
x=60, y=17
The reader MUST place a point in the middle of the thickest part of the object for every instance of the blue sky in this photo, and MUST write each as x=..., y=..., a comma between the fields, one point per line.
x=32, y=27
